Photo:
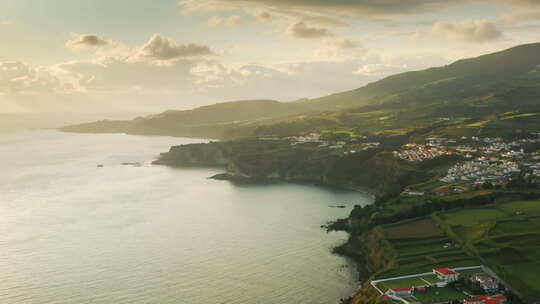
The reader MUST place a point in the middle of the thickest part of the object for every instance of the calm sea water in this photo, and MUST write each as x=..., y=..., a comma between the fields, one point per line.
x=74, y=233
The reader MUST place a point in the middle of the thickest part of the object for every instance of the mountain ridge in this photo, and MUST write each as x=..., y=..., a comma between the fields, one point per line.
x=469, y=88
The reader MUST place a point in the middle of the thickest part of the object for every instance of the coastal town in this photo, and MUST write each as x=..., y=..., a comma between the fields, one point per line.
x=483, y=161
x=486, y=162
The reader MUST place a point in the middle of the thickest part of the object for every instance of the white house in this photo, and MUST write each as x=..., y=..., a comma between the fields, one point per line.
x=446, y=274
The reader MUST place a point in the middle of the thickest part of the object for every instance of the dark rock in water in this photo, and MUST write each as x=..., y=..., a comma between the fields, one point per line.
x=100, y=166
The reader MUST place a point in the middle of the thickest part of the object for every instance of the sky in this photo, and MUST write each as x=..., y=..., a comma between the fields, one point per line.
x=154, y=55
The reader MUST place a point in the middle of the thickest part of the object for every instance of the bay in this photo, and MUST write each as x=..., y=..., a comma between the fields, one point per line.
x=73, y=232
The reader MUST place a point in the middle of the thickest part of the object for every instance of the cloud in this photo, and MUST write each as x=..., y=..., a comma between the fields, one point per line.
x=263, y=16
x=471, y=31
x=87, y=41
x=522, y=3
x=162, y=48
x=231, y=20
x=155, y=75
x=20, y=78
x=11, y=72
x=300, y=30
x=367, y=8
x=342, y=43
x=110, y=74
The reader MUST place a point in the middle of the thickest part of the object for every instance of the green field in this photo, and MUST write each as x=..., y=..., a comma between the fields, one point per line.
x=402, y=283
x=470, y=217
x=415, y=229
x=435, y=295
x=506, y=237
x=527, y=208
x=524, y=276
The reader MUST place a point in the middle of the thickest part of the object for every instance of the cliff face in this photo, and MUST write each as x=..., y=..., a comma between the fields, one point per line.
x=211, y=154
x=261, y=160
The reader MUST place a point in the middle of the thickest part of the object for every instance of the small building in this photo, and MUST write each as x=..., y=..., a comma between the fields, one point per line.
x=420, y=288
x=485, y=300
x=488, y=284
x=400, y=292
x=446, y=274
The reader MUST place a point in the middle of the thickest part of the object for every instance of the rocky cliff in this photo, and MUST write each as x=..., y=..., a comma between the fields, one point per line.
x=260, y=160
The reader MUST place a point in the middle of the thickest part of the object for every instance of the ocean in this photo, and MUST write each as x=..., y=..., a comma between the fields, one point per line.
x=73, y=232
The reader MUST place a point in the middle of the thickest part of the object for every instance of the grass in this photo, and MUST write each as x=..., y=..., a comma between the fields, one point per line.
x=514, y=226
x=402, y=283
x=467, y=195
x=435, y=295
x=416, y=229
x=472, y=272
x=529, y=208
x=519, y=116
x=524, y=277
x=470, y=217
x=505, y=237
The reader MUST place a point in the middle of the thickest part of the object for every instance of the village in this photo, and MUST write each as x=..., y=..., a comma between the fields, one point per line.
x=487, y=162
x=343, y=141
x=484, y=161
x=467, y=285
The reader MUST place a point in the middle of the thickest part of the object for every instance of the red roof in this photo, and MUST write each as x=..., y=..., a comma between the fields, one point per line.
x=445, y=271
x=487, y=300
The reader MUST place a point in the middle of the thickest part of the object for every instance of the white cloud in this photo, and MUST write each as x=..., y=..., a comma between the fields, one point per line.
x=263, y=16
x=231, y=20
x=365, y=8
x=521, y=3
x=300, y=30
x=162, y=48
x=87, y=41
x=471, y=30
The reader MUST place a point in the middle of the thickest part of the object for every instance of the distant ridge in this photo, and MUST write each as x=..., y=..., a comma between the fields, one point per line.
x=474, y=88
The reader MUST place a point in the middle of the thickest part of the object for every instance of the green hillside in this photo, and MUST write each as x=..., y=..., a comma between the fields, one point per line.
x=459, y=79
x=488, y=94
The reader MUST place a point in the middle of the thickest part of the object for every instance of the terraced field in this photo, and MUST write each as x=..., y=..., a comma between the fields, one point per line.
x=505, y=237
x=421, y=246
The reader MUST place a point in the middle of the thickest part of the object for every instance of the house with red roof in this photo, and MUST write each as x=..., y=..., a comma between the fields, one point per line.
x=487, y=283
x=446, y=274
x=485, y=300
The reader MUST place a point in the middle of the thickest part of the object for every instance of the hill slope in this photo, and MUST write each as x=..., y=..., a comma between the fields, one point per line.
x=464, y=74
x=491, y=92
x=207, y=121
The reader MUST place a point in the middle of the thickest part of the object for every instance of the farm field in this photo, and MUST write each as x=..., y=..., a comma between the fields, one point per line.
x=421, y=246
x=506, y=238
x=470, y=217
x=414, y=229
